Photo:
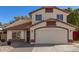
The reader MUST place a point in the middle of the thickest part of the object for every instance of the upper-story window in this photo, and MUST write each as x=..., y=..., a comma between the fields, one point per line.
x=60, y=16
x=48, y=10
x=38, y=17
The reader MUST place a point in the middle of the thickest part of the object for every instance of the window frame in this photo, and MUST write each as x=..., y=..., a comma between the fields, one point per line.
x=16, y=35
x=40, y=17
x=60, y=16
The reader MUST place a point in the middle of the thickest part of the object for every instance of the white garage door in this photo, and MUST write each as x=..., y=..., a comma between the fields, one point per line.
x=51, y=35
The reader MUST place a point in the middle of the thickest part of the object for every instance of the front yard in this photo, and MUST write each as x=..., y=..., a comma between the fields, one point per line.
x=58, y=48
x=24, y=47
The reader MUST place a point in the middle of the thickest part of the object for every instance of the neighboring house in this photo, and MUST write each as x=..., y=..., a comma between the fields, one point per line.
x=1, y=31
x=47, y=25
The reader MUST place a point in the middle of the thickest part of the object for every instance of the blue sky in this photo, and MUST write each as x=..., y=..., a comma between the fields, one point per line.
x=7, y=13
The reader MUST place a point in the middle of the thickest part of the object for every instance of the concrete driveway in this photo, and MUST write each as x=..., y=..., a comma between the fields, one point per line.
x=57, y=48
x=48, y=48
x=24, y=47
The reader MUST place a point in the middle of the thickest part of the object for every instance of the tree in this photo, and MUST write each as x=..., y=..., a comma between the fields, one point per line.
x=69, y=9
x=0, y=23
x=17, y=18
x=73, y=18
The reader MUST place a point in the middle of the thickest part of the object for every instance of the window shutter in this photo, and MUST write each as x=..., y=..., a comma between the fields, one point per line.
x=58, y=17
x=61, y=16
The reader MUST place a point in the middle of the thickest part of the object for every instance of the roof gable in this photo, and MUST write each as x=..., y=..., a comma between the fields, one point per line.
x=48, y=7
x=24, y=26
x=20, y=24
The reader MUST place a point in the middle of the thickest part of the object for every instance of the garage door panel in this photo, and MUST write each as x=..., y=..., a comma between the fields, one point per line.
x=51, y=35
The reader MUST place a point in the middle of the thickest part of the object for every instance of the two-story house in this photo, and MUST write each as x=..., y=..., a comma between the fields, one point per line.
x=47, y=25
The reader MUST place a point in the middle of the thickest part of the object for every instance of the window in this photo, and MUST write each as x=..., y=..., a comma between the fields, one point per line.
x=51, y=23
x=38, y=17
x=60, y=16
x=13, y=35
x=48, y=10
x=16, y=35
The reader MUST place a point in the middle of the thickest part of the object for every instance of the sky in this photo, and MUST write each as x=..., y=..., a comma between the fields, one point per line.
x=7, y=13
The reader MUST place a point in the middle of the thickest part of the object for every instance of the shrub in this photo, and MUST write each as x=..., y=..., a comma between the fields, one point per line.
x=3, y=40
x=9, y=42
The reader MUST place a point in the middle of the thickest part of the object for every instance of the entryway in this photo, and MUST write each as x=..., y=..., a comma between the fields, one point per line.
x=28, y=36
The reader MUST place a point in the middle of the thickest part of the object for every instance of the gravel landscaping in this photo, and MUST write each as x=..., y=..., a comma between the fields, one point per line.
x=5, y=48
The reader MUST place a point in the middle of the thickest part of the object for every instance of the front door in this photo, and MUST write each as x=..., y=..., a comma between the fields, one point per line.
x=28, y=36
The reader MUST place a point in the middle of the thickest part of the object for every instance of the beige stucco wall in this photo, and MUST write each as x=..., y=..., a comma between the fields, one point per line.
x=46, y=16
x=71, y=29
x=9, y=35
x=64, y=25
x=22, y=35
x=25, y=33
x=34, y=27
x=36, y=13
x=56, y=11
